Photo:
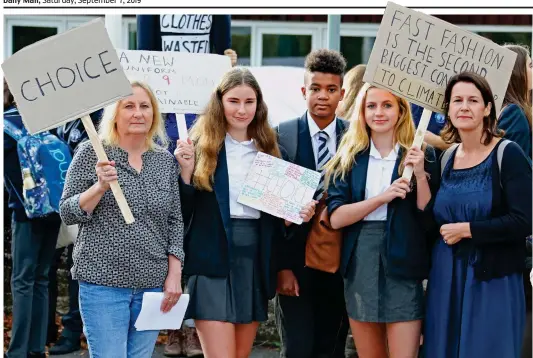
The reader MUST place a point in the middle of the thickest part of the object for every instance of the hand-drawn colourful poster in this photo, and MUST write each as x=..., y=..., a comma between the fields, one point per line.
x=278, y=187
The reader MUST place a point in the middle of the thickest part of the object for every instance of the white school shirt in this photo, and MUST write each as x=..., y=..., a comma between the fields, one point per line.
x=331, y=130
x=239, y=156
x=378, y=178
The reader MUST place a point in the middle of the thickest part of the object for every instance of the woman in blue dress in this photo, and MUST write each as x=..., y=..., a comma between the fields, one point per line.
x=475, y=297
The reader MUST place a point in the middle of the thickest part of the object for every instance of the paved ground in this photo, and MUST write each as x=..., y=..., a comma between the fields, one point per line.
x=258, y=352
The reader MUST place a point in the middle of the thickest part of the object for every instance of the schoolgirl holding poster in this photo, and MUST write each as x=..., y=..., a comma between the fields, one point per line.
x=230, y=248
x=385, y=255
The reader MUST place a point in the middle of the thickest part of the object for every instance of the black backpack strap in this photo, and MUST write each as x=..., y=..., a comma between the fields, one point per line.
x=288, y=137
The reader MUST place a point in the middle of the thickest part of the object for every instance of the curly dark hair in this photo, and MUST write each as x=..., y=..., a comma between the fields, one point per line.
x=326, y=61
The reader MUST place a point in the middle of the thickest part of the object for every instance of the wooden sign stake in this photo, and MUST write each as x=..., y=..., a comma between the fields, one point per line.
x=102, y=156
x=419, y=139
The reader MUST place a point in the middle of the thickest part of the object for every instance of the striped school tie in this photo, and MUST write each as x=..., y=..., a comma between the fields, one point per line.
x=323, y=157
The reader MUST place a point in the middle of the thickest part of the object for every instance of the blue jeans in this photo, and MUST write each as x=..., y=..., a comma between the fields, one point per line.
x=33, y=246
x=109, y=315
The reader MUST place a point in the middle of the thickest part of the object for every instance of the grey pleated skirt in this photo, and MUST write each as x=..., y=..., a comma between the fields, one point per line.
x=239, y=297
x=370, y=295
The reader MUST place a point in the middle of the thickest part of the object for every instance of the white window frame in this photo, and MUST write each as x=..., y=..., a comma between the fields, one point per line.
x=126, y=22
x=317, y=30
x=75, y=21
x=260, y=28
x=61, y=23
x=37, y=21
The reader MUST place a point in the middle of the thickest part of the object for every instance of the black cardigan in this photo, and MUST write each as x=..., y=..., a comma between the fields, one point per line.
x=500, y=240
x=207, y=240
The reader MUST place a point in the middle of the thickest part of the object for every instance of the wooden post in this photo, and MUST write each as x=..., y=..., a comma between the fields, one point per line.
x=102, y=156
x=419, y=139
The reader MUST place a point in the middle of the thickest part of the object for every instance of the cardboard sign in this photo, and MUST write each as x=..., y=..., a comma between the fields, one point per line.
x=182, y=82
x=415, y=55
x=65, y=77
x=278, y=187
x=186, y=33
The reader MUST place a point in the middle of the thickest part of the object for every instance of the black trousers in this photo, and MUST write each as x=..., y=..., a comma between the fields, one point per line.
x=314, y=324
x=72, y=322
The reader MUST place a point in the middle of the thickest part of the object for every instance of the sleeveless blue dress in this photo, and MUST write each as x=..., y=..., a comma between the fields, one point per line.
x=467, y=318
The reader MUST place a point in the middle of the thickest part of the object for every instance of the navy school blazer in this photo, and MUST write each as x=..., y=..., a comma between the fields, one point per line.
x=293, y=254
x=409, y=230
x=206, y=244
x=514, y=122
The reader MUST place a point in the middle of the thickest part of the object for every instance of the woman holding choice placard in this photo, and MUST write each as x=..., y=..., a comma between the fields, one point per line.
x=385, y=254
x=475, y=296
x=231, y=248
x=115, y=262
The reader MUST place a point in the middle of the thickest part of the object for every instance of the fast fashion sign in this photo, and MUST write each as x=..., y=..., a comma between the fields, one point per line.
x=415, y=55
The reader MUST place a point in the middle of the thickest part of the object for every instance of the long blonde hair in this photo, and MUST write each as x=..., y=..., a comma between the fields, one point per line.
x=209, y=131
x=357, y=140
x=156, y=136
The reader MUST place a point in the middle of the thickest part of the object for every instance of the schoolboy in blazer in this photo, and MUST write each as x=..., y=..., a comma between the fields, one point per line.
x=310, y=309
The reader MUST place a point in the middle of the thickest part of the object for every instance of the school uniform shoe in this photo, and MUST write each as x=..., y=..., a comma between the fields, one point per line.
x=191, y=345
x=64, y=345
x=174, y=347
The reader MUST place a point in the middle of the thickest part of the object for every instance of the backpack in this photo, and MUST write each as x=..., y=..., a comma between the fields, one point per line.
x=47, y=157
x=499, y=155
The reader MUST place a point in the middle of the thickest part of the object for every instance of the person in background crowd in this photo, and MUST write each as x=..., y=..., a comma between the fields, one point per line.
x=310, y=309
x=352, y=83
x=73, y=133
x=515, y=121
x=32, y=246
x=385, y=254
x=475, y=294
x=231, y=248
x=198, y=33
x=115, y=262
x=515, y=116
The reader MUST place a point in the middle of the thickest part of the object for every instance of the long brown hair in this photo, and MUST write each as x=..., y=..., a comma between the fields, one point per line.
x=209, y=131
x=449, y=133
x=353, y=81
x=517, y=92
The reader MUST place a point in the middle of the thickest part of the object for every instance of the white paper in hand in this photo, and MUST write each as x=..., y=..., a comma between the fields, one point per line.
x=151, y=317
